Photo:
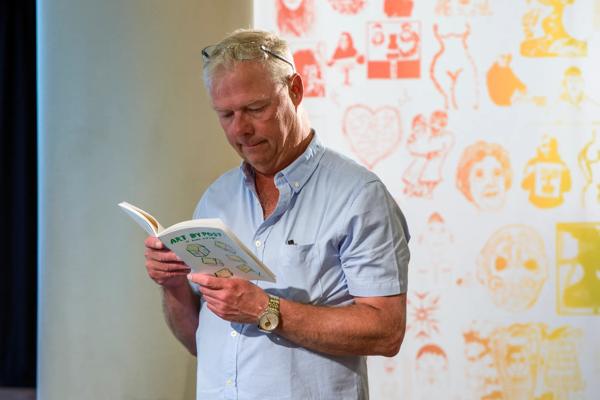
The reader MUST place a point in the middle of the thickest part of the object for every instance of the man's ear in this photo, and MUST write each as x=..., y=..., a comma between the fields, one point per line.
x=296, y=89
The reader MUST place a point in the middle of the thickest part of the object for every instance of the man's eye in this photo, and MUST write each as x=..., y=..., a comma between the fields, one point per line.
x=256, y=109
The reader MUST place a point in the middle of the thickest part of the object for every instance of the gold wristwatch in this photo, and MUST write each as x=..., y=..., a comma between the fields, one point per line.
x=269, y=319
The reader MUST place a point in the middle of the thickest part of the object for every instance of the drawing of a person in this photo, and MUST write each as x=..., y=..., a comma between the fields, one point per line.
x=573, y=92
x=518, y=357
x=589, y=162
x=481, y=373
x=345, y=56
x=295, y=17
x=554, y=40
x=484, y=175
x=503, y=85
x=547, y=177
x=437, y=243
x=429, y=144
x=308, y=67
x=432, y=372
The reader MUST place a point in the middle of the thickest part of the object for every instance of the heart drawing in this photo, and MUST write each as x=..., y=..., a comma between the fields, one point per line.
x=373, y=134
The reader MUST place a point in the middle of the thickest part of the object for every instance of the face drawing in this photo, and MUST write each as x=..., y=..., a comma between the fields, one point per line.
x=517, y=356
x=432, y=365
x=513, y=267
x=484, y=175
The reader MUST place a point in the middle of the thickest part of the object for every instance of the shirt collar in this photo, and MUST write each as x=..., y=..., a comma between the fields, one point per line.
x=298, y=172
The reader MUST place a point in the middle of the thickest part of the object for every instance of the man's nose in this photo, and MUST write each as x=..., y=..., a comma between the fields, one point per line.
x=241, y=125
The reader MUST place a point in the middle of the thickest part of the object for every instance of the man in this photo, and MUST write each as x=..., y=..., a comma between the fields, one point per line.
x=326, y=227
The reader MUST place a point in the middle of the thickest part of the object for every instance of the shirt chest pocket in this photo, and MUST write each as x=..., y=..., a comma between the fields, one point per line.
x=299, y=278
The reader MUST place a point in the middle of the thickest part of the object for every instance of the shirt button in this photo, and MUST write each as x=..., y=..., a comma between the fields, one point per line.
x=229, y=382
x=257, y=243
x=233, y=333
x=296, y=185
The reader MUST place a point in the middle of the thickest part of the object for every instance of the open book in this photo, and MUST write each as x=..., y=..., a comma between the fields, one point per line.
x=205, y=245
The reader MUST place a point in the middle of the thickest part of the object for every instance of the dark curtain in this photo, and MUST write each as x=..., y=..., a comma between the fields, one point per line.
x=18, y=197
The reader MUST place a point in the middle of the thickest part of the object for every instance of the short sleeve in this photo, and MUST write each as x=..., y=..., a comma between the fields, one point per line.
x=374, y=249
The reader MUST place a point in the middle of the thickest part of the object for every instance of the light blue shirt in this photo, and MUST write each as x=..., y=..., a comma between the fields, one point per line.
x=349, y=239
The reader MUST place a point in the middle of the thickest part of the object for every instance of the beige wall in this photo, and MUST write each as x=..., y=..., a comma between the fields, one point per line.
x=123, y=116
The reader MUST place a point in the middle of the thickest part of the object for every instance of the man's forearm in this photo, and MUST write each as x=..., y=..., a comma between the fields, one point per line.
x=373, y=328
x=181, y=306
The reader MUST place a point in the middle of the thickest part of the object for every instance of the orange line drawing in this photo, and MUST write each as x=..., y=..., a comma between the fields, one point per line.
x=589, y=162
x=505, y=88
x=422, y=320
x=513, y=267
x=481, y=373
x=553, y=40
x=429, y=144
x=373, y=134
x=346, y=57
x=449, y=8
x=453, y=71
x=546, y=176
x=347, y=7
x=436, y=244
x=398, y=8
x=524, y=353
x=578, y=268
x=517, y=352
x=394, y=50
x=484, y=175
x=309, y=68
x=431, y=369
x=295, y=17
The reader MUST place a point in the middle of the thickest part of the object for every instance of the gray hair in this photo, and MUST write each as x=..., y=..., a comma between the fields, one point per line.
x=249, y=45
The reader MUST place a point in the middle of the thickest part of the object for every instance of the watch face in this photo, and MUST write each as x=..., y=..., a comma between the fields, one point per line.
x=268, y=321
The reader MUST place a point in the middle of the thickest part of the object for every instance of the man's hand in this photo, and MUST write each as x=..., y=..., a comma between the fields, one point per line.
x=163, y=266
x=232, y=299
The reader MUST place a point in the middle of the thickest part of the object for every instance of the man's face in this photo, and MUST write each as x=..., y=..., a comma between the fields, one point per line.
x=257, y=116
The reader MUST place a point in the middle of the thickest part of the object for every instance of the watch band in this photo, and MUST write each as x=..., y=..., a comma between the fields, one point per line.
x=269, y=319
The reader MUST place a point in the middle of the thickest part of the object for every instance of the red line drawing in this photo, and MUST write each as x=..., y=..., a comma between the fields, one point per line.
x=513, y=266
x=428, y=144
x=484, y=175
x=393, y=50
x=554, y=41
x=295, y=17
x=373, y=134
x=348, y=7
x=453, y=71
x=422, y=320
x=546, y=175
x=308, y=66
x=345, y=56
x=398, y=8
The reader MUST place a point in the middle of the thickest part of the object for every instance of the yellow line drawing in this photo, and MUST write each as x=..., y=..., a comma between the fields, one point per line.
x=589, y=162
x=545, y=33
x=546, y=176
x=578, y=266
